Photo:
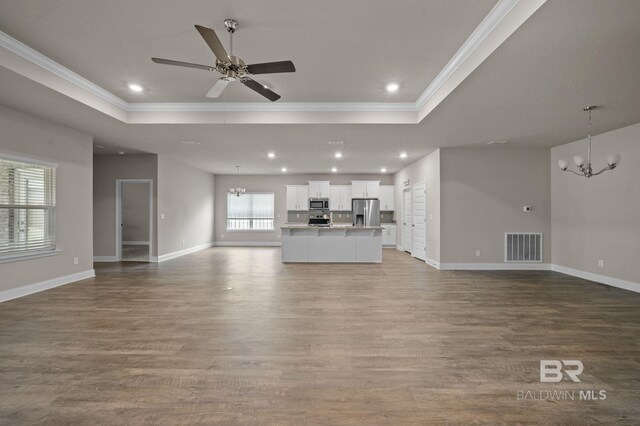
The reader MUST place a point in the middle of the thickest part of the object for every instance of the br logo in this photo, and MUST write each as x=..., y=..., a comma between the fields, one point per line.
x=551, y=370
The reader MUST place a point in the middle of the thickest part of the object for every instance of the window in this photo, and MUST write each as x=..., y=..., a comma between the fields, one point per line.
x=27, y=208
x=250, y=212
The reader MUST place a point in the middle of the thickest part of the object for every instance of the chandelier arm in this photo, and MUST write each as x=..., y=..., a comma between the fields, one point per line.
x=575, y=173
x=602, y=171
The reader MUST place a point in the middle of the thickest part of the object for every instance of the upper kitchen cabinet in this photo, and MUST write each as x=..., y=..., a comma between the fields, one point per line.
x=298, y=197
x=319, y=189
x=365, y=189
x=386, y=198
x=340, y=198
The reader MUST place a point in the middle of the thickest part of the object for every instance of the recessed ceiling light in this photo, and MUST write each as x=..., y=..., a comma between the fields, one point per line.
x=403, y=155
x=265, y=86
x=338, y=155
x=191, y=142
x=100, y=146
x=284, y=169
x=383, y=170
x=135, y=87
x=392, y=87
x=497, y=142
x=336, y=142
x=271, y=155
x=120, y=152
x=334, y=169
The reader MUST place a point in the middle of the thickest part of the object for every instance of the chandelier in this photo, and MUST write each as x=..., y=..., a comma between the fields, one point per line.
x=584, y=166
x=237, y=191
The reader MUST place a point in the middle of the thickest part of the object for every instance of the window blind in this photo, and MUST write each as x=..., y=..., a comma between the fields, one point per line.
x=27, y=207
x=250, y=211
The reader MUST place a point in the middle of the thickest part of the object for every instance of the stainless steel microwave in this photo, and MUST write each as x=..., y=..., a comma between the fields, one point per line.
x=318, y=204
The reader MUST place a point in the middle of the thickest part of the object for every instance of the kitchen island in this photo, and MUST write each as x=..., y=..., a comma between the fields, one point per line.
x=332, y=244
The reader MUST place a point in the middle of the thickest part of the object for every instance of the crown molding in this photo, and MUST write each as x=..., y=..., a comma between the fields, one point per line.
x=437, y=90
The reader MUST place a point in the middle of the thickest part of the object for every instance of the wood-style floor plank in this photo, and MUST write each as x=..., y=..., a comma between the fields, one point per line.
x=233, y=336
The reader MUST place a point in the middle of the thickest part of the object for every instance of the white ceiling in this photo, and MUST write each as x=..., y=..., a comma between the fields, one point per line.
x=344, y=51
x=530, y=90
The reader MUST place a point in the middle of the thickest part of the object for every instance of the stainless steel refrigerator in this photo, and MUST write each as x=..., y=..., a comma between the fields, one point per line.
x=365, y=212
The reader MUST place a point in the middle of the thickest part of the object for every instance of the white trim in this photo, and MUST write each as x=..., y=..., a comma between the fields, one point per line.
x=432, y=262
x=105, y=259
x=32, y=55
x=28, y=160
x=488, y=24
x=273, y=107
x=135, y=243
x=602, y=279
x=179, y=253
x=494, y=266
x=248, y=244
x=14, y=293
x=20, y=256
x=119, y=243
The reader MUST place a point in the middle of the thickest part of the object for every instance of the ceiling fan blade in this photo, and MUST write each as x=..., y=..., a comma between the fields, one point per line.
x=254, y=85
x=213, y=41
x=271, y=67
x=182, y=64
x=218, y=88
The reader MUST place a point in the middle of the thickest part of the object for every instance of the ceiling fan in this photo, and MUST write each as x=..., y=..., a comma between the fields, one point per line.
x=231, y=67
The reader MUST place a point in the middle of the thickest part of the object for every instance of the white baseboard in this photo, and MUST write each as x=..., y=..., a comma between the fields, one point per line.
x=248, y=244
x=169, y=256
x=135, y=243
x=494, y=266
x=602, y=279
x=433, y=263
x=105, y=259
x=14, y=293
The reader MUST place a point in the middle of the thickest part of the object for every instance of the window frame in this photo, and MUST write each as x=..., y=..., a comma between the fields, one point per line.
x=18, y=255
x=251, y=230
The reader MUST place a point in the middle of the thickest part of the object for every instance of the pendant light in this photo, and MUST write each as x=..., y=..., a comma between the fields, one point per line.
x=237, y=191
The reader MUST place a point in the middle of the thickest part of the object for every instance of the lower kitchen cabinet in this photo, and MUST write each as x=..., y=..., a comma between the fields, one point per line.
x=388, y=235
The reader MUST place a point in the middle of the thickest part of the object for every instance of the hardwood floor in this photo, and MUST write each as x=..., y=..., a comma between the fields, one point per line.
x=233, y=336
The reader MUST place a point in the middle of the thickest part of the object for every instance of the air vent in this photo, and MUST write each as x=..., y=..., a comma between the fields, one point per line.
x=522, y=247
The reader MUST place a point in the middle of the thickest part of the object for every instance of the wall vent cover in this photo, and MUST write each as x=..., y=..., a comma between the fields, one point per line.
x=522, y=247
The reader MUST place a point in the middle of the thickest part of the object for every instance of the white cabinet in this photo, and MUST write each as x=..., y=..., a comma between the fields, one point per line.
x=388, y=235
x=319, y=189
x=365, y=189
x=297, y=197
x=386, y=198
x=340, y=198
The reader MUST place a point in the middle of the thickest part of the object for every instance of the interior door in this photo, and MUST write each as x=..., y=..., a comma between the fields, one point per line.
x=419, y=199
x=407, y=234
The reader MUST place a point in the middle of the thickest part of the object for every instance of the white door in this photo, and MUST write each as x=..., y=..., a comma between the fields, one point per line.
x=419, y=245
x=407, y=234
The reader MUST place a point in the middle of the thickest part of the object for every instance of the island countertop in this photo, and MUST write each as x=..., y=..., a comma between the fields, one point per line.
x=332, y=227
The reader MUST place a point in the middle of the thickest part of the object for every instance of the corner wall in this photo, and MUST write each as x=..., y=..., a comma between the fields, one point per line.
x=186, y=203
x=26, y=136
x=598, y=218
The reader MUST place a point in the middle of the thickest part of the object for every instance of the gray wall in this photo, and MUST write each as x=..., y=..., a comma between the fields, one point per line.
x=276, y=184
x=135, y=212
x=186, y=199
x=106, y=169
x=426, y=170
x=599, y=217
x=482, y=194
x=26, y=136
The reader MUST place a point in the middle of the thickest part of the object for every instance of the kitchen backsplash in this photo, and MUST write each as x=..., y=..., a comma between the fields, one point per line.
x=338, y=217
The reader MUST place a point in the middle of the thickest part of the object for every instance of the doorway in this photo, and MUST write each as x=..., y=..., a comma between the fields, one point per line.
x=407, y=231
x=134, y=220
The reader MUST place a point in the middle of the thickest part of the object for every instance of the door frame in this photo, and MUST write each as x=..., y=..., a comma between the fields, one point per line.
x=407, y=246
x=119, y=183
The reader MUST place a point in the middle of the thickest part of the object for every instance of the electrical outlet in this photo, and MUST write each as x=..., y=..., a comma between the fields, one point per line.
x=298, y=215
x=430, y=217
x=75, y=260
x=182, y=243
x=477, y=253
x=222, y=236
x=601, y=263
x=340, y=215
x=161, y=215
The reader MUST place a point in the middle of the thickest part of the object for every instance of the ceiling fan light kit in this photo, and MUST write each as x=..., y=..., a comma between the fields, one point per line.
x=584, y=164
x=232, y=67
